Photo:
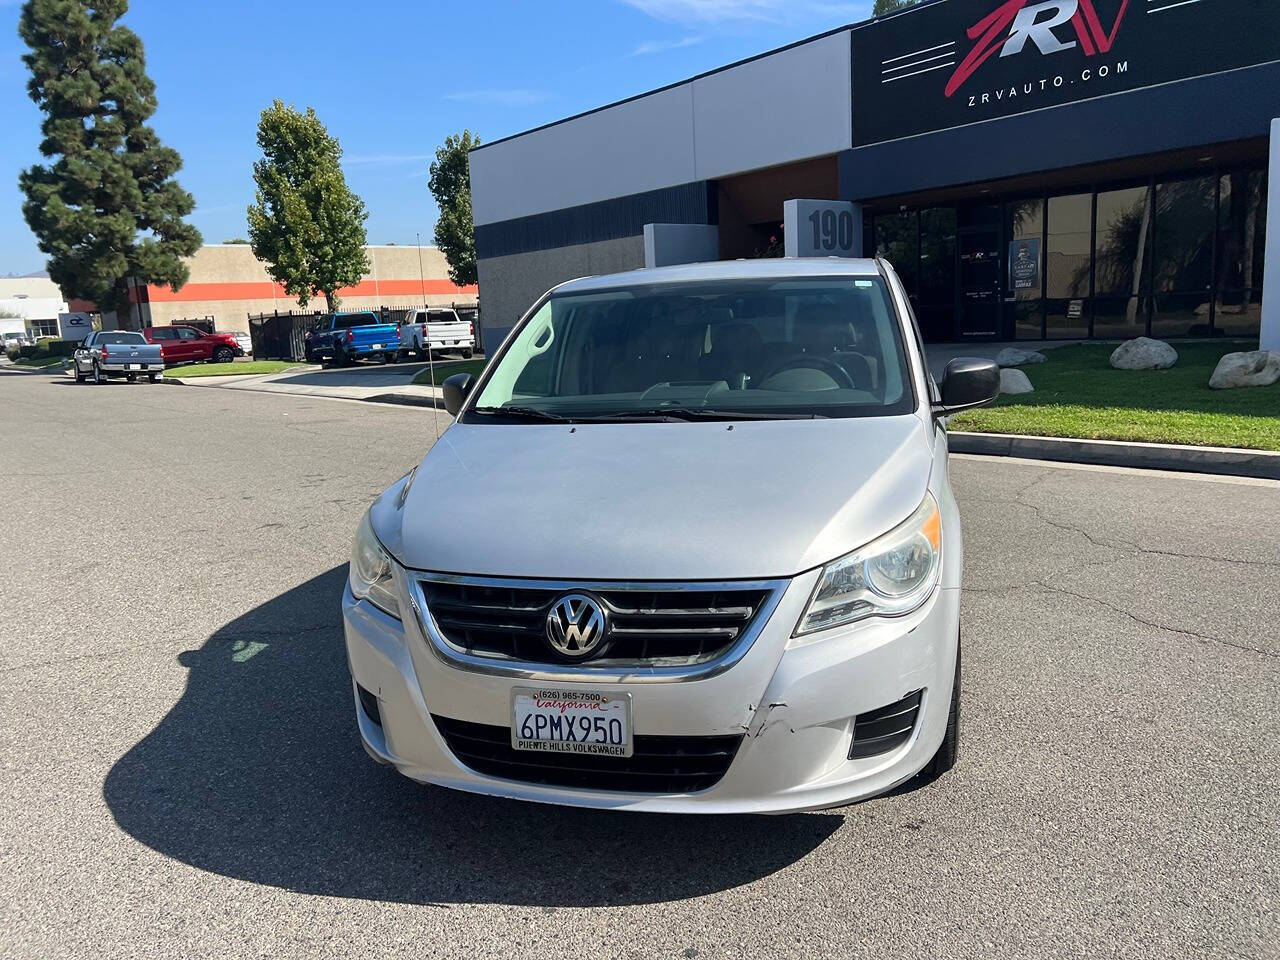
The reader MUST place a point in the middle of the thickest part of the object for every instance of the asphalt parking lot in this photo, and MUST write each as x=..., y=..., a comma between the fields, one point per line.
x=182, y=776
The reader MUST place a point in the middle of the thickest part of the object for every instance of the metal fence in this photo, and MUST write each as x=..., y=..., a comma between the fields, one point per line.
x=282, y=336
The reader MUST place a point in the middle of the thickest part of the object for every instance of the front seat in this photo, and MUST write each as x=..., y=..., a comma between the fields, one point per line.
x=735, y=355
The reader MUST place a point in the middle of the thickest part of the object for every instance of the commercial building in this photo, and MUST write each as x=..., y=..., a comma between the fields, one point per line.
x=228, y=283
x=1057, y=169
x=30, y=305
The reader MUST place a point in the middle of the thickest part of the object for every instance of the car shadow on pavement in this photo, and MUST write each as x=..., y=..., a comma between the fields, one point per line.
x=257, y=773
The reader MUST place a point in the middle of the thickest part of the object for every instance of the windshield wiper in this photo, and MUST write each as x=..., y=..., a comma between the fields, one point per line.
x=522, y=413
x=703, y=413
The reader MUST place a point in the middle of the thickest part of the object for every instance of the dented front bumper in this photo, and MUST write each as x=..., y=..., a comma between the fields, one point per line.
x=793, y=703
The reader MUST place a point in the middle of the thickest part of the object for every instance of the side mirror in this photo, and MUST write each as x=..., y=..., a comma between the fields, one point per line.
x=968, y=382
x=455, y=391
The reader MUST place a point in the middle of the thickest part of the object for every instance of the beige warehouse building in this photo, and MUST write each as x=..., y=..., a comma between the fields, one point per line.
x=229, y=284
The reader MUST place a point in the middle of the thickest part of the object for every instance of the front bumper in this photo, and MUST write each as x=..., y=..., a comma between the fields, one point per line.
x=794, y=707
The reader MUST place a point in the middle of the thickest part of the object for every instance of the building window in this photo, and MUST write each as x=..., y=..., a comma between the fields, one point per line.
x=1242, y=227
x=1182, y=265
x=898, y=241
x=1024, y=280
x=1067, y=266
x=44, y=328
x=1121, y=252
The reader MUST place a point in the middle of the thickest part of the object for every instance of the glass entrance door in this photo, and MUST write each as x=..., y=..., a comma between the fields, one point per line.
x=978, y=286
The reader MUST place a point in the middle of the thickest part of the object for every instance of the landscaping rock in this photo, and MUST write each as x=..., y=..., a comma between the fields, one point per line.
x=1256, y=368
x=1144, y=353
x=1013, y=357
x=1014, y=381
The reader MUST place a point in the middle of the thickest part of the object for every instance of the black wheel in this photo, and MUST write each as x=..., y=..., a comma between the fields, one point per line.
x=310, y=356
x=947, y=753
x=153, y=377
x=131, y=377
x=466, y=354
x=224, y=355
x=75, y=366
x=98, y=376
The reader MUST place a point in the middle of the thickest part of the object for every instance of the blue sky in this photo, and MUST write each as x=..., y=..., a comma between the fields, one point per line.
x=390, y=78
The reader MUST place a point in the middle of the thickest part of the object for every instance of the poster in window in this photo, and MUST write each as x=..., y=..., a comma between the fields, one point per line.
x=1024, y=264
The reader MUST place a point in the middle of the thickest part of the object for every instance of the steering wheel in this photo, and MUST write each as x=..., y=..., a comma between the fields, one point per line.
x=828, y=366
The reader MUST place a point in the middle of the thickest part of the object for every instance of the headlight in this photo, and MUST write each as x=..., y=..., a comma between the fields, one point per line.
x=370, y=576
x=888, y=577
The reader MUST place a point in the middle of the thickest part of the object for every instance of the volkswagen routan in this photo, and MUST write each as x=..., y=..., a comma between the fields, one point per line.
x=689, y=545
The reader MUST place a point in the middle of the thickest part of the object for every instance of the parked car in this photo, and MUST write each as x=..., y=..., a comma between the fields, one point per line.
x=117, y=353
x=343, y=338
x=181, y=344
x=244, y=341
x=701, y=552
x=437, y=329
x=17, y=338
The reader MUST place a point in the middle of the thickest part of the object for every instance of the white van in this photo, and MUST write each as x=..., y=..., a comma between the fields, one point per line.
x=701, y=552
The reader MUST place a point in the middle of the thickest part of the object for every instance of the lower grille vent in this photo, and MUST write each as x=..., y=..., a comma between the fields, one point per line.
x=659, y=764
x=886, y=728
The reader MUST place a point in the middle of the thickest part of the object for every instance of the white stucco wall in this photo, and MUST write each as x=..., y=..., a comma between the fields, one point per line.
x=785, y=106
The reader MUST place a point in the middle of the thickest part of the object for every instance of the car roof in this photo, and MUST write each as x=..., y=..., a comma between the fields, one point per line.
x=777, y=268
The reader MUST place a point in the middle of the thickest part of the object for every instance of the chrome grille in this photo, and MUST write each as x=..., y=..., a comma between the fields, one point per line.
x=651, y=625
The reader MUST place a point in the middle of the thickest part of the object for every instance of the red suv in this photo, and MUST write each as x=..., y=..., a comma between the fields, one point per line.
x=189, y=345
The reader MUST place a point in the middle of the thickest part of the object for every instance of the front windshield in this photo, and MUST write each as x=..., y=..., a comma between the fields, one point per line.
x=825, y=347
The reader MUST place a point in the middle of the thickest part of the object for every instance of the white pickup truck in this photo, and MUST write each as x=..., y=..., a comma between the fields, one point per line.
x=436, y=329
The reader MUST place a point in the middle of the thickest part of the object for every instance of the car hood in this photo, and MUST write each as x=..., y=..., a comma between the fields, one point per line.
x=660, y=501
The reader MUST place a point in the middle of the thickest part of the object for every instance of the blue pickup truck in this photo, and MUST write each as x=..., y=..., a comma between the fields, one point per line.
x=343, y=338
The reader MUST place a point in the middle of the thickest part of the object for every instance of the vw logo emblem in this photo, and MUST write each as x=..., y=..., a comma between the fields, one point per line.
x=576, y=626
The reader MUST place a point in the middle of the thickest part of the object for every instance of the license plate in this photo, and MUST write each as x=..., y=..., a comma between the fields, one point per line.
x=377, y=346
x=571, y=721
x=133, y=366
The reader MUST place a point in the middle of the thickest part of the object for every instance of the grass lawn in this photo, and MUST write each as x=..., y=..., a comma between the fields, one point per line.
x=38, y=363
x=1078, y=394
x=447, y=368
x=192, y=370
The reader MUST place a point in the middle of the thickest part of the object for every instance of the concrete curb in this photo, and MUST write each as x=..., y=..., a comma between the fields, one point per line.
x=1231, y=461
x=405, y=400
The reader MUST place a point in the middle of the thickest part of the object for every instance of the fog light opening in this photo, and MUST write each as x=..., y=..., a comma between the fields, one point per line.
x=369, y=704
x=885, y=728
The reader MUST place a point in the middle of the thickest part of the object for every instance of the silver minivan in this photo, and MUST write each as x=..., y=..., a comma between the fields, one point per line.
x=701, y=553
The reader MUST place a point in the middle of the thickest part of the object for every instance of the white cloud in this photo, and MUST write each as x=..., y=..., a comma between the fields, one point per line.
x=720, y=11
x=517, y=97
x=662, y=46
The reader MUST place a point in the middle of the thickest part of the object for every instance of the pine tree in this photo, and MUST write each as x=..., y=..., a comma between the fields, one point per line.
x=306, y=224
x=106, y=208
x=450, y=184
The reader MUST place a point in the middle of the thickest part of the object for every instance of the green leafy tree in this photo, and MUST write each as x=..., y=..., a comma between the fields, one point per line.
x=106, y=208
x=881, y=7
x=306, y=224
x=450, y=184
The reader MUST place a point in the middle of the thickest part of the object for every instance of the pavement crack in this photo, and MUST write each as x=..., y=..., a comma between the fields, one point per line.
x=1122, y=546
x=1039, y=586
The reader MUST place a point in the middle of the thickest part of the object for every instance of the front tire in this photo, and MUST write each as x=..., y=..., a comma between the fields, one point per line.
x=949, y=750
x=98, y=376
x=153, y=378
x=79, y=376
x=224, y=355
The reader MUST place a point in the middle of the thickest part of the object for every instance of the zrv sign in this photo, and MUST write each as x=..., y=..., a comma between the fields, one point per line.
x=963, y=61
